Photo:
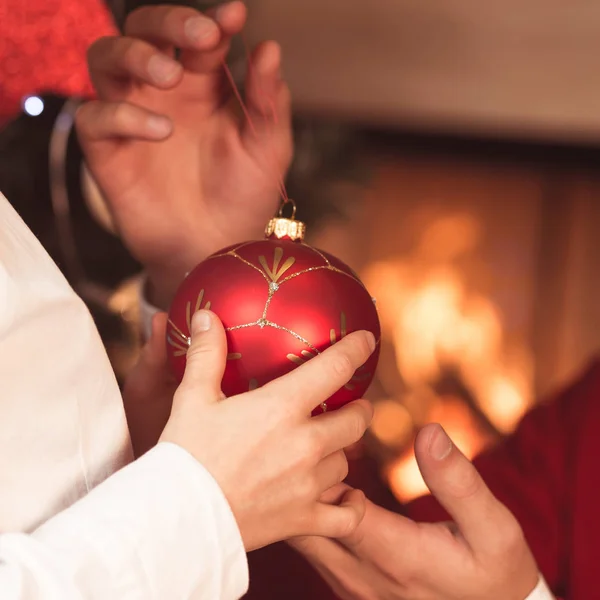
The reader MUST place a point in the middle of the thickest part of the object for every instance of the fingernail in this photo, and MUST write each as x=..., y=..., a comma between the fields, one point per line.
x=371, y=341
x=159, y=126
x=201, y=322
x=197, y=28
x=162, y=69
x=440, y=445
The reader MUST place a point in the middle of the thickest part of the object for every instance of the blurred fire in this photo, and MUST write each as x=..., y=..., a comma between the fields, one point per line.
x=437, y=320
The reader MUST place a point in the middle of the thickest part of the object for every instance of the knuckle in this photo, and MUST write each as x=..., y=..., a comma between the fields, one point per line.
x=96, y=49
x=362, y=345
x=512, y=538
x=313, y=445
x=119, y=115
x=341, y=366
x=139, y=14
x=284, y=413
x=128, y=54
x=197, y=353
x=356, y=425
x=467, y=484
x=342, y=468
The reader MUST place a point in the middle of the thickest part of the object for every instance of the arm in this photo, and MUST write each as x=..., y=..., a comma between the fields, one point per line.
x=532, y=472
x=159, y=528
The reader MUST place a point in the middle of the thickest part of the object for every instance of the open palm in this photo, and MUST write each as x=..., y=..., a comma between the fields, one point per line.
x=183, y=173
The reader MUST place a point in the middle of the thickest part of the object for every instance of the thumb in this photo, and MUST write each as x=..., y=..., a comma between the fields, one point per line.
x=459, y=488
x=206, y=356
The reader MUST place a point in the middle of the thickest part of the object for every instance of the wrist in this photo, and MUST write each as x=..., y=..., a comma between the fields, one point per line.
x=162, y=283
x=164, y=278
x=159, y=291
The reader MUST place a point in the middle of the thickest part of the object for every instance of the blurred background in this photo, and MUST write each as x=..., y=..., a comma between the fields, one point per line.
x=448, y=152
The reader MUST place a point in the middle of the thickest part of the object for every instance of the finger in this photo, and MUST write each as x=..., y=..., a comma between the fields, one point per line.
x=334, y=431
x=344, y=573
x=459, y=488
x=315, y=381
x=173, y=26
x=340, y=521
x=149, y=390
x=98, y=121
x=383, y=536
x=206, y=357
x=230, y=19
x=332, y=470
x=114, y=61
x=335, y=494
x=155, y=350
x=152, y=362
x=230, y=16
x=269, y=104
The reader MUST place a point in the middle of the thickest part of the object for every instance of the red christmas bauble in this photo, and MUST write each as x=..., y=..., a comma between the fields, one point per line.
x=282, y=302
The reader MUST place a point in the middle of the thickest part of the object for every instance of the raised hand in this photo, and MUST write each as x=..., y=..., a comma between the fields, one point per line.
x=181, y=170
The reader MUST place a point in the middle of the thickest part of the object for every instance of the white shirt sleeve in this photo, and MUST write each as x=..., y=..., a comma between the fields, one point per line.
x=159, y=529
x=541, y=591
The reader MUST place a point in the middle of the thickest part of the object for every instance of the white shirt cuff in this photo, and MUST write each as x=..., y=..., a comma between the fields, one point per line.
x=159, y=528
x=541, y=591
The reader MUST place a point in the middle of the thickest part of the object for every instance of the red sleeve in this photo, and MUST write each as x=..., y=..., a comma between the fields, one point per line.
x=532, y=473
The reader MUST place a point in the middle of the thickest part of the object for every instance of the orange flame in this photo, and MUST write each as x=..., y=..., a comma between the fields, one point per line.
x=437, y=319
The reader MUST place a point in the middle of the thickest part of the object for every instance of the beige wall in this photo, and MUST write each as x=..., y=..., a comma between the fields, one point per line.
x=510, y=68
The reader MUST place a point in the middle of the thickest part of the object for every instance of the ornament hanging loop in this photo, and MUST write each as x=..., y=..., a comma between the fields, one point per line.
x=285, y=202
x=281, y=228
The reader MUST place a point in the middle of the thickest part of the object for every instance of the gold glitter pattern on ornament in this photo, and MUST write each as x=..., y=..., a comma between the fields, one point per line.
x=233, y=253
x=359, y=376
x=177, y=339
x=276, y=272
x=306, y=356
x=249, y=264
x=188, y=309
x=262, y=323
x=327, y=266
x=273, y=276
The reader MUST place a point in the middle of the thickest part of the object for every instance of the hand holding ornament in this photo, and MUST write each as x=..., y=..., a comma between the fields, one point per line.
x=270, y=458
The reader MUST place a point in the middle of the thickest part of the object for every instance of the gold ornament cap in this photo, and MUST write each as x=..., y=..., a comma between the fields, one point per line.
x=282, y=227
